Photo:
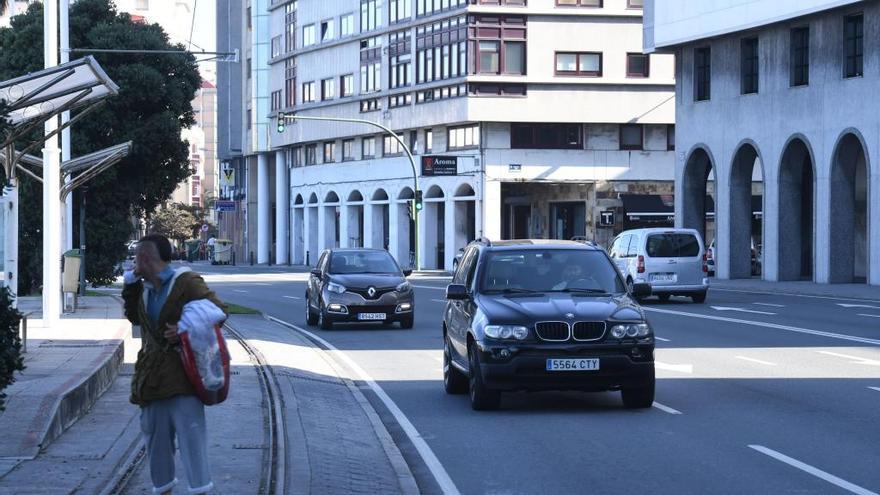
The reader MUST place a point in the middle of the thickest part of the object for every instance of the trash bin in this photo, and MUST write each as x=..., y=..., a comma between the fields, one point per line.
x=222, y=252
x=70, y=278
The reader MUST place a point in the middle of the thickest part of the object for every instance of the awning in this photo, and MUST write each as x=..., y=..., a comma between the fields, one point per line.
x=648, y=205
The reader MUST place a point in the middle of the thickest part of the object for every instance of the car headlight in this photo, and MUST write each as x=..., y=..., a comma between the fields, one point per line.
x=337, y=288
x=506, y=332
x=404, y=287
x=631, y=330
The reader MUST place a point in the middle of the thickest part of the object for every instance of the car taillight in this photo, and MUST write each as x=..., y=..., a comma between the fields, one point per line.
x=641, y=268
x=705, y=263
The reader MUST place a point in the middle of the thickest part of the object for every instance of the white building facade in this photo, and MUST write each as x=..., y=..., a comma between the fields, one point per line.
x=525, y=119
x=775, y=113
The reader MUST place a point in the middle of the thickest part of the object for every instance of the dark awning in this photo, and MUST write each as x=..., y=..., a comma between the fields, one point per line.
x=648, y=205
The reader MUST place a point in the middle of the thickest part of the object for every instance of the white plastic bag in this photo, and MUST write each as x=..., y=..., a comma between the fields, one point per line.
x=198, y=320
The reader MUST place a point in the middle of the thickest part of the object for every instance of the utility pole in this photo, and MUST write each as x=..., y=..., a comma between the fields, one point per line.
x=51, y=185
x=64, y=38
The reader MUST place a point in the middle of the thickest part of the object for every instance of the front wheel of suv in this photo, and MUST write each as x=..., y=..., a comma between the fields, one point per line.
x=482, y=399
x=311, y=317
x=407, y=322
x=454, y=381
x=638, y=398
x=323, y=321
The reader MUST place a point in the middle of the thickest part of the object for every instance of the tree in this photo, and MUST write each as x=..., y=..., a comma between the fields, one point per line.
x=176, y=222
x=153, y=106
x=10, y=343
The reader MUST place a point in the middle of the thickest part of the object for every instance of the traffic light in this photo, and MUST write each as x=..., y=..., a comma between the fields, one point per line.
x=281, y=121
x=419, y=204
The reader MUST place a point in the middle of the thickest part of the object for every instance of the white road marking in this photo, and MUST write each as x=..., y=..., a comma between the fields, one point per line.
x=788, y=294
x=681, y=368
x=856, y=359
x=875, y=388
x=770, y=304
x=830, y=478
x=744, y=358
x=439, y=300
x=291, y=297
x=764, y=324
x=261, y=283
x=869, y=316
x=239, y=290
x=661, y=339
x=742, y=310
x=440, y=475
x=665, y=409
x=842, y=305
x=429, y=287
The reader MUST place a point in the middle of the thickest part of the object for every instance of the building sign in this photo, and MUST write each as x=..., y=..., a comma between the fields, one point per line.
x=606, y=218
x=514, y=167
x=439, y=165
x=224, y=205
x=227, y=177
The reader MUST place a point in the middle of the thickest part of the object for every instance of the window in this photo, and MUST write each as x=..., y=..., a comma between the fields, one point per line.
x=289, y=83
x=308, y=92
x=500, y=44
x=702, y=73
x=309, y=35
x=464, y=137
x=431, y=7
x=399, y=10
x=429, y=140
x=399, y=59
x=347, y=150
x=637, y=65
x=329, y=151
x=670, y=137
x=276, y=100
x=631, y=137
x=346, y=25
x=399, y=100
x=276, y=46
x=578, y=3
x=391, y=146
x=326, y=30
x=748, y=53
x=311, y=154
x=290, y=27
x=413, y=141
x=513, y=3
x=546, y=136
x=248, y=67
x=370, y=19
x=800, y=56
x=368, y=147
x=371, y=105
x=328, y=89
x=635, y=4
x=853, y=33
x=371, y=66
x=346, y=85
x=579, y=64
x=492, y=89
x=298, y=157
x=443, y=93
x=441, y=50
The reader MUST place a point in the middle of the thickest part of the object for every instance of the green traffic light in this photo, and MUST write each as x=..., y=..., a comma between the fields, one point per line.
x=281, y=118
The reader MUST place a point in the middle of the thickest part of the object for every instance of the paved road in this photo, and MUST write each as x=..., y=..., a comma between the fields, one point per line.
x=756, y=393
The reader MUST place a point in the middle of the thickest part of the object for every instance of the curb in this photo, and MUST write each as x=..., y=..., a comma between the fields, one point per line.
x=769, y=291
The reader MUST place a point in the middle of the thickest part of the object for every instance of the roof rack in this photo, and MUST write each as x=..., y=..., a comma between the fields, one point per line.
x=482, y=240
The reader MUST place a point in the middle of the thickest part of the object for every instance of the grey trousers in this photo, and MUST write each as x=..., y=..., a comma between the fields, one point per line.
x=183, y=417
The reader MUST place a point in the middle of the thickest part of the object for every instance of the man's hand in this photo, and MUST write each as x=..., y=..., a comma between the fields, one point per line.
x=171, y=333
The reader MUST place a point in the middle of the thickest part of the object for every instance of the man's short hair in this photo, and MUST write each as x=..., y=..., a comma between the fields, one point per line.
x=162, y=244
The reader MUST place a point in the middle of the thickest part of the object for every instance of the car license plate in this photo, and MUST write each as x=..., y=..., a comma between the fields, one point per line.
x=663, y=277
x=371, y=316
x=583, y=364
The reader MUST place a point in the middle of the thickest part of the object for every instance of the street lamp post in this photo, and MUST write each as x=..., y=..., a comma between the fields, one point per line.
x=418, y=259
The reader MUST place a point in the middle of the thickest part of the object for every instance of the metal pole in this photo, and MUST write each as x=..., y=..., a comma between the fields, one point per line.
x=51, y=185
x=412, y=163
x=82, y=241
x=64, y=39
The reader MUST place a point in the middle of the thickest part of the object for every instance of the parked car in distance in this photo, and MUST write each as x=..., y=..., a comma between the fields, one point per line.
x=358, y=286
x=544, y=315
x=710, y=259
x=672, y=261
x=755, y=256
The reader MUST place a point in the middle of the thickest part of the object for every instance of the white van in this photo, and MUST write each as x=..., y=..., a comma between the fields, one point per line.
x=672, y=261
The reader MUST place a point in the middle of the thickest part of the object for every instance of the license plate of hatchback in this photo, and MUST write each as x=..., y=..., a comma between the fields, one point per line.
x=371, y=316
x=663, y=277
x=585, y=364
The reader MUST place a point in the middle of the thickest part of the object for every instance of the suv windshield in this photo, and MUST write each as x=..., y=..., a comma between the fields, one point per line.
x=342, y=263
x=550, y=270
x=673, y=246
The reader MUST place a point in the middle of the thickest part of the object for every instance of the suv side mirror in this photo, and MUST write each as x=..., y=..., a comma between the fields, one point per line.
x=407, y=272
x=316, y=273
x=642, y=290
x=456, y=292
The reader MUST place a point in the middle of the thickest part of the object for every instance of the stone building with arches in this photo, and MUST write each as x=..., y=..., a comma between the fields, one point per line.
x=777, y=127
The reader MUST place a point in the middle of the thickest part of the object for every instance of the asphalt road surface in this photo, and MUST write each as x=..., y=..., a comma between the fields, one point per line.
x=756, y=393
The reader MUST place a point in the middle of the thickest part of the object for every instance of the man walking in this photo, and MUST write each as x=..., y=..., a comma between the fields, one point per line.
x=155, y=295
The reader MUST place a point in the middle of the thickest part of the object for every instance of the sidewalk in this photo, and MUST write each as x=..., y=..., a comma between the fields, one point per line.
x=845, y=291
x=67, y=369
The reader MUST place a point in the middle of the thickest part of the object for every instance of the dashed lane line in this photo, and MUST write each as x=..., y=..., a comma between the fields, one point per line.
x=240, y=291
x=661, y=339
x=770, y=305
x=876, y=389
x=753, y=360
x=840, y=336
x=869, y=315
x=291, y=297
x=823, y=475
x=665, y=409
x=429, y=287
x=439, y=300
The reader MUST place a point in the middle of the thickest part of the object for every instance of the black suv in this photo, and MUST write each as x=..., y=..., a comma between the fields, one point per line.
x=544, y=315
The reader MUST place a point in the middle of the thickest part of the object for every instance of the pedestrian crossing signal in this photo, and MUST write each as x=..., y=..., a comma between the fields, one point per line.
x=281, y=122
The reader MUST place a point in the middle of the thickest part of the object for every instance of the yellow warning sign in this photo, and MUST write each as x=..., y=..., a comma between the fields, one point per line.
x=227, y=177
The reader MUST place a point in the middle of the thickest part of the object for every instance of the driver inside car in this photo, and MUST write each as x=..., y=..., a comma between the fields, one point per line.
x=570, y=273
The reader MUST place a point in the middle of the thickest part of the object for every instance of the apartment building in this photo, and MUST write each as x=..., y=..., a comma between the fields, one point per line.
x=776, y=125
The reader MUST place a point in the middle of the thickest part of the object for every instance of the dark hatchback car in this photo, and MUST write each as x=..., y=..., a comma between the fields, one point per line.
x=358, y=285
x=544, y=315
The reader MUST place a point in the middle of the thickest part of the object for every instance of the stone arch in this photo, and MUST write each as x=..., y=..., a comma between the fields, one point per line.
x=796, y=210
x=746, y=231
x=695, y=181
x=464, y=190
x=298, y=200
x=331, y=197
x=434, y=192
x=380, y=195
x=355, y=195
x=849, y=193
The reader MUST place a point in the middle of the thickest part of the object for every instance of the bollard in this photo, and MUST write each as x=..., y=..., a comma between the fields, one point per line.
x=252, y=258
x=23, y=326
x=233, y=257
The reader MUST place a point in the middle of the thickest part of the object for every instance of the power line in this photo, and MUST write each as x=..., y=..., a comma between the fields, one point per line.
x=193, y=23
